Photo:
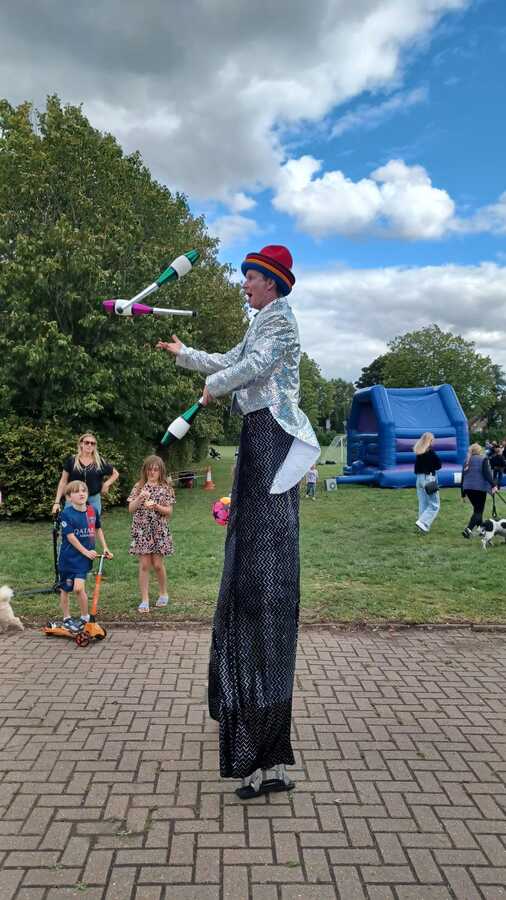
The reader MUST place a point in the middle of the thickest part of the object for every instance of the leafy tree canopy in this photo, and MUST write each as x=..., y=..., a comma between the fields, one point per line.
x=372, y=374
x=431, y=356
x=81, y=222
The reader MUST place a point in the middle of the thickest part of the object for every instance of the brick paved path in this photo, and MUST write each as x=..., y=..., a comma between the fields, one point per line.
x=109, y=787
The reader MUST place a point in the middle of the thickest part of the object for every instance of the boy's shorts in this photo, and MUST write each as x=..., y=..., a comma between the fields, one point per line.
x=66, y=582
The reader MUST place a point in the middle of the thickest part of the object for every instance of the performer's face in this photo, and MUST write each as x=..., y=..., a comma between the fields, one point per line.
x=259, y=290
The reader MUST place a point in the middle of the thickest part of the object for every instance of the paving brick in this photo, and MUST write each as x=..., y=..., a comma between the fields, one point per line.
x=10, y=881
x=307, y=892
x=348, y=883
x=120, y=884
x=236, y=882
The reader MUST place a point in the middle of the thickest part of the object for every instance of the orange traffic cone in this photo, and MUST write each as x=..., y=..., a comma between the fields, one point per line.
x=209, y=484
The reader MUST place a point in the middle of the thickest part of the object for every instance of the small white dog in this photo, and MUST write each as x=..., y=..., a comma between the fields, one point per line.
x=491, y=528
x=7, y=618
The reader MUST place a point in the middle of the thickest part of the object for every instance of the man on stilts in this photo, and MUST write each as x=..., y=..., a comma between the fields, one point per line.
x=254, y=642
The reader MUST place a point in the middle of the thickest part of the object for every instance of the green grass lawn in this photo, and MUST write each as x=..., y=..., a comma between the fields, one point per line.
x=361, y=559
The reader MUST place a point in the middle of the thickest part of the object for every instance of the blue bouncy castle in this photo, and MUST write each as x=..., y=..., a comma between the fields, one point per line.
x=384, y=424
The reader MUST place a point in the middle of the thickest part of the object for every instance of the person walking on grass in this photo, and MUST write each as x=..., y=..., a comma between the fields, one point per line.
x=497, y=463
x=89, y=466
x=311, y=479
x=427, y=463
x=477, y=481
x=254, y=641
x=151, y=501
x=80, y=523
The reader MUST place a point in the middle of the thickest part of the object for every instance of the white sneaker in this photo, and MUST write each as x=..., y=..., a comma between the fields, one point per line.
x=421, y=527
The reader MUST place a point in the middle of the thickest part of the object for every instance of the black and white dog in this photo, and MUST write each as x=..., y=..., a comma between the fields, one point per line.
x=491, y=528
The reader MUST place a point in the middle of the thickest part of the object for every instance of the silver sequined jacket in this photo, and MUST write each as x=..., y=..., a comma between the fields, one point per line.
x=262, y=371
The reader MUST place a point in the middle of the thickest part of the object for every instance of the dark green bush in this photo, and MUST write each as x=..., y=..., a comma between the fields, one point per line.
x=31, y=459
x=32, y=456
x=324, y=437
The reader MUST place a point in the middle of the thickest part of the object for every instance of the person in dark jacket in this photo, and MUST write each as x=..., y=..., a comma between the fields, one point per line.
x=477, y=481
x=497, y=463
x=427, y=463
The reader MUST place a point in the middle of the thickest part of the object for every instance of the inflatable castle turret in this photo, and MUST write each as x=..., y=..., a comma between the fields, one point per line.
x=384, y=424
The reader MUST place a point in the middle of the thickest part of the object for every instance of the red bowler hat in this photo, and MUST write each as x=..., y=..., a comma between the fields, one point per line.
x=273, y=261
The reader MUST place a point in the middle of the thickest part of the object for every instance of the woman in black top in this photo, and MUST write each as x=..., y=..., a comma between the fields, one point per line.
x=427, y=463
x=89, y=466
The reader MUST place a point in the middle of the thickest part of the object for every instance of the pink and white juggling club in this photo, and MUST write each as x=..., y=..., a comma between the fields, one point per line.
x=126, y=308
x=179, y=267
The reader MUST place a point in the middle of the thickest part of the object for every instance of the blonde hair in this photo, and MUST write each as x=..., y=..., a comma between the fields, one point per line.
x=97, y=459
x=153, y=461
x=73, y=486
x=474, y=450
x=423, y=443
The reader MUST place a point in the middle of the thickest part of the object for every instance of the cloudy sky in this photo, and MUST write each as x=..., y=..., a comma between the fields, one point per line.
x=369, y=136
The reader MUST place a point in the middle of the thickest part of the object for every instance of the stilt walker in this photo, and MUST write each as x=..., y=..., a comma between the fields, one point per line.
x=252, y=660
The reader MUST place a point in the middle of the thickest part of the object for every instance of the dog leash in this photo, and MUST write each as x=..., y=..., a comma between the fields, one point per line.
x=494, y=508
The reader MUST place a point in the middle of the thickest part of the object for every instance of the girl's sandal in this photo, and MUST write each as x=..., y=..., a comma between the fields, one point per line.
x=162, y=601
x=143, y=606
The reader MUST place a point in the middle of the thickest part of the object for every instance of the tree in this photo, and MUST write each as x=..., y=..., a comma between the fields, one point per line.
x=81, y=222
x=310, y=382
x=432, y=356
x=372, y=374
x=342, y=392
x=496, y=415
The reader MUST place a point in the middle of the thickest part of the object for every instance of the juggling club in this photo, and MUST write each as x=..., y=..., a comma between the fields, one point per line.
x=181, y=426
x=178, y=267
x=127, y=308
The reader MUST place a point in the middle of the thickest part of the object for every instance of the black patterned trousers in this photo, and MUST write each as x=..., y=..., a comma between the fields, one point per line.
x=254, y=641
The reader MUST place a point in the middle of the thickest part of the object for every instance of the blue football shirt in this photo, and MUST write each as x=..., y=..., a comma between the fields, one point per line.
x=84, y=526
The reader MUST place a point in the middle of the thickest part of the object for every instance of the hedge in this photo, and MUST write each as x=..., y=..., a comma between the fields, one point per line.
x=32, y=456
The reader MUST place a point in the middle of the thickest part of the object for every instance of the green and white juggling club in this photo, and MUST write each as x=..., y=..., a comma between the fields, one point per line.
x=179, y=267
x=181, y=426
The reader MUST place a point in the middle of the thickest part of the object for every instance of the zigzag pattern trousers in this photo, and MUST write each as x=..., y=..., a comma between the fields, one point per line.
x=254, y=641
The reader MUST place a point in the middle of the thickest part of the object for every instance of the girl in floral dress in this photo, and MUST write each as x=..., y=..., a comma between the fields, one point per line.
x=151, y=501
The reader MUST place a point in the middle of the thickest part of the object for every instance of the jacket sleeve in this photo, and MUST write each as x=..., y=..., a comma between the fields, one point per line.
x=207, y=363
x=436, y=461
x=274, y=336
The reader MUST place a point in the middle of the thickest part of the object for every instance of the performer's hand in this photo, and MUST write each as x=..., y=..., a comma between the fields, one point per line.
x=108, y=554
x=207, y=397
x=173, y=346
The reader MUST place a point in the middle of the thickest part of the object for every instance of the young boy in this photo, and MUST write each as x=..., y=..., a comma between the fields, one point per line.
x=311, y=479
x=80, y=523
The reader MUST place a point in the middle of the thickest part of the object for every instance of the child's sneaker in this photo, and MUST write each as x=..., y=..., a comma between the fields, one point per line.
x=467, y=533
x=74, y=625
x=162, y=600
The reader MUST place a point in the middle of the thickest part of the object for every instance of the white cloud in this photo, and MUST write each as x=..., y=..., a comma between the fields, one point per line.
x=412, y=207
x=370, y=116
x=201, y=88
x=396, y=200
x=233, y=229
x=488, y=218
x=347, y=316
x=239, y=202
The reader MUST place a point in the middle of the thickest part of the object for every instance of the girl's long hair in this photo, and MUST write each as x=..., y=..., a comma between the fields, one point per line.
x=97, y=459
x=423, y=443
x=474, y=450
x=154, y=461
